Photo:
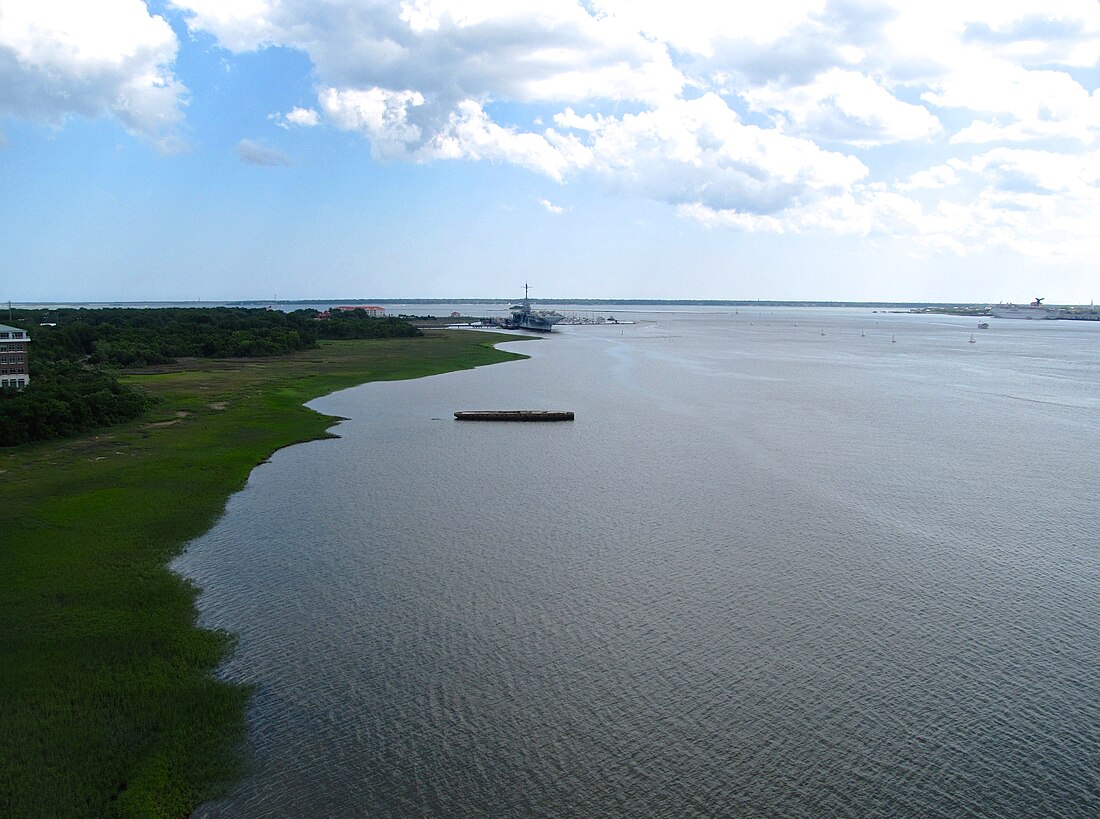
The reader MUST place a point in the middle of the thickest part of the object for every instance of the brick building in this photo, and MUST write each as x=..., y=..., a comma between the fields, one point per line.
x=14, y=365
x=372, y=310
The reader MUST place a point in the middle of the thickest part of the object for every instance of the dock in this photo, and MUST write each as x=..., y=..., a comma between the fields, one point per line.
x=514, y=415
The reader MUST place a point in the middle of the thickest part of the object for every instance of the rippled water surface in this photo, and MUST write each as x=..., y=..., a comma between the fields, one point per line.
x=779, y=565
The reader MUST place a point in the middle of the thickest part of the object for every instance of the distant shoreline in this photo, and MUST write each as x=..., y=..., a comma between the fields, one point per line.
x=35, y=305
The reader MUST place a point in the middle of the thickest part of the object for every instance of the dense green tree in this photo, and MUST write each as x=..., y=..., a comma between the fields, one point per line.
x=72, y=388
x=358, y=324
x=64, y=399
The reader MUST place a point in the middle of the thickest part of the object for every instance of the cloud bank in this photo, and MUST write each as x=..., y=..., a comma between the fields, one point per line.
x=109, y=58
x=961, y=126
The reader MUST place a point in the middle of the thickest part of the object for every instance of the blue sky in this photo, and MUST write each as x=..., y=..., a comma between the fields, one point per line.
x=801, y=149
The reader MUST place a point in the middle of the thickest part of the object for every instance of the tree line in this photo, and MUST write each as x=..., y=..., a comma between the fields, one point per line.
x=74, y=354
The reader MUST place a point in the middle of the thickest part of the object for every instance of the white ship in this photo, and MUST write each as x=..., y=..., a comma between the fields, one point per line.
x=524, y=318
x=1035, y=310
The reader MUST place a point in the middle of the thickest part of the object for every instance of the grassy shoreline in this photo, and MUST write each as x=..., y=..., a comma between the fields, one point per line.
x=110, y=703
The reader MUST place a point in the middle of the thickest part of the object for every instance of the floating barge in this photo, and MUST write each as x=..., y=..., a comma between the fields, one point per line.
x=514, y=415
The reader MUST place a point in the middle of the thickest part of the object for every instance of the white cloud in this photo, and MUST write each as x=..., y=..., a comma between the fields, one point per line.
x=698, y=26
x=550, y=207
x=699, y=152
x=240, y=25
x=864, y=211
x=450, y=50
x=644, y=95
x=386, y=117
x=471, y=134
x=255, y=153
x=847, y=106
x=301, y=117
x=686, y=151
x=380, y=115
x=716, y=217
x=1033, y=171
x=1040, y=204
x=108, y=58
x=1063, y=32
x=1036, y=104
x=1031, y=33
x=571, y=120
x=940, y=176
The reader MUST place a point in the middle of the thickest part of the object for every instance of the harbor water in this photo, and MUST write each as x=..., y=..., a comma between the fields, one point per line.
x=785, y=562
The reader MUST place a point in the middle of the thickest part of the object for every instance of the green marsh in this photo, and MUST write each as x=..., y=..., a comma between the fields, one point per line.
x=110, y=704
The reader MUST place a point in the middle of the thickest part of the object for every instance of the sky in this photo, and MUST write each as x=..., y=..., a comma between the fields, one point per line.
x=313, y=149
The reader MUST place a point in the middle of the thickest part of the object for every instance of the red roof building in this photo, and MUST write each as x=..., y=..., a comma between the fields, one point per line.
x=372, y=310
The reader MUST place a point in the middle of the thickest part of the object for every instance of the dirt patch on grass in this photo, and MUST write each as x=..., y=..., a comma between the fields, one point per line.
x=218, y=405
x=191, y=364
x=180, y=415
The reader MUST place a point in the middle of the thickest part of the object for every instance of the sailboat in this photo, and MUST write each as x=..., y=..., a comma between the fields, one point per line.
x=893, y=340
x=971, y=338
x=862, y=334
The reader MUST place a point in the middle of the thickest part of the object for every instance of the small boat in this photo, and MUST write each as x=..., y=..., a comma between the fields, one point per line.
x=983, y=325
x=971, y=338
x=822, y=332
x=893, y=340
x=862, y=334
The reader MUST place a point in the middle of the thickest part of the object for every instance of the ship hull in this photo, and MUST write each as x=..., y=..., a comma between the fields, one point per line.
x=1022, y=312
x=524, y=318
x=537, y=323
x=514, y=415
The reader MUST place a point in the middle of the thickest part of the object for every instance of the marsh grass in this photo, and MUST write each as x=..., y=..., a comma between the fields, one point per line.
x=108, y=701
